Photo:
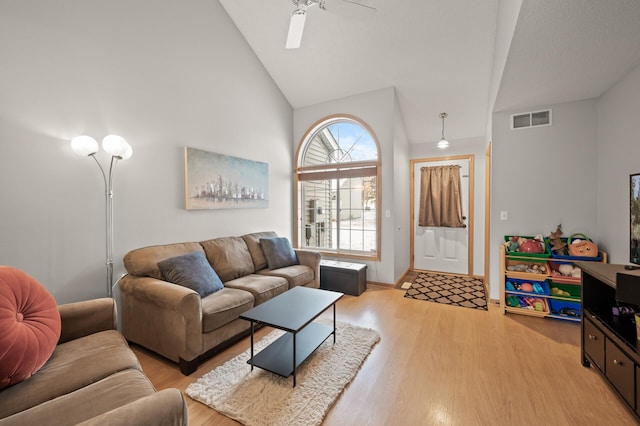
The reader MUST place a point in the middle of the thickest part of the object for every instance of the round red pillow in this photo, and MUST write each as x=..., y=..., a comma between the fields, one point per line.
x=29, y=326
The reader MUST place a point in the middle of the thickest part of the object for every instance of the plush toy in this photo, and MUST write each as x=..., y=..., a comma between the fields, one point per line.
x=557, y=245
x=512, y=244
x=565, y=269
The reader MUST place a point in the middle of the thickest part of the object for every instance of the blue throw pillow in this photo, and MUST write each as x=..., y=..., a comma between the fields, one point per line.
x=192, y=271
x=278, y=252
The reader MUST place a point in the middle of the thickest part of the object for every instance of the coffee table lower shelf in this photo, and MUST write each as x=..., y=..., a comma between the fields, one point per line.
x=278, y=356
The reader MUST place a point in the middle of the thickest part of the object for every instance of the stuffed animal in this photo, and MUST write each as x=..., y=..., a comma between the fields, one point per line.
x=557, y=245
x=565, y=269
x=512, y=244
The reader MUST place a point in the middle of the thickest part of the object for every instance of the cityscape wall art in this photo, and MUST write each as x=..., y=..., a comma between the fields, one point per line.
x=217, y=181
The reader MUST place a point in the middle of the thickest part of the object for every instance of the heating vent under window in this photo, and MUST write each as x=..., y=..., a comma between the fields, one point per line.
x=531, y=119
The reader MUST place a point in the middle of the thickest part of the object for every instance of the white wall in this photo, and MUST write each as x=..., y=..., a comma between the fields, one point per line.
x=377, y=110
x=543, y=177
x=401, y=195
x=508, y=11
x=470, y=146
x=618, y=157
x=156, y=72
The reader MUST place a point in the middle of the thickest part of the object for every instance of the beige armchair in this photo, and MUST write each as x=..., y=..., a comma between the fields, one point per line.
x=92, y=378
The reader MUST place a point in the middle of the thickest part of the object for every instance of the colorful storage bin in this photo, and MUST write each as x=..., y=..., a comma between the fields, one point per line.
x=543, y=255
x=567, y=291
x=537, y=304
x=525, y=269
x=554, y=272
x=565, y=308
x=514, y=285
x=567, y=257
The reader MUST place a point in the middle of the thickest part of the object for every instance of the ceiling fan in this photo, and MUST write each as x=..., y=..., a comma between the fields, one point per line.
x=348, y=8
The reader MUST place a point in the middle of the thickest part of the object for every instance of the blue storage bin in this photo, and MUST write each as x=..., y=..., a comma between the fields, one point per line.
x=565, y=308
x=529, y=303
x=517, y=282
x=598, y=258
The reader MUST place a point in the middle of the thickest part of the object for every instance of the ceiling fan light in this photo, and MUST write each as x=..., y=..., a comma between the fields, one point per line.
x=296, y=27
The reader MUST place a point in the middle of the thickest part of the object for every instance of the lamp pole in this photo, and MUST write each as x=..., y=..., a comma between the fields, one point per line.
x=119, y=150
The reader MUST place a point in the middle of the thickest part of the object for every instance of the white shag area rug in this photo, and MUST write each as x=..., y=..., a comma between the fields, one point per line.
x=259, y=397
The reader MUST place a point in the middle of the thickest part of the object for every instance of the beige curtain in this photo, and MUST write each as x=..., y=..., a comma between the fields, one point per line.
x=440, y=198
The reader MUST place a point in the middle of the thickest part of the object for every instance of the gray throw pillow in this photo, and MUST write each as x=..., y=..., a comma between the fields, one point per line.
x=278, y=252
x=192, y=271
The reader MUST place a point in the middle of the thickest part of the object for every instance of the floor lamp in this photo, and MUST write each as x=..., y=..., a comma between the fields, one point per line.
x=119, y=149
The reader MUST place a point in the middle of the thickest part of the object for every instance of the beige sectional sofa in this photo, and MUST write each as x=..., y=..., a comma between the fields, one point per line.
x=92, y=378
x=175, y=322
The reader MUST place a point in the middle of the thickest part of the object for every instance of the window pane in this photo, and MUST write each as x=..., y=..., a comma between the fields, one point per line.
x=354, y=142
x=316, y=213
x=337, y=211
x=341, y=141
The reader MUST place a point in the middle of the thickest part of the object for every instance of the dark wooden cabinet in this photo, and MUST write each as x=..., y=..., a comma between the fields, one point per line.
x=637, y=387
x=609, y=342
x=593, y=343
x=620, y=371
x=345, y=277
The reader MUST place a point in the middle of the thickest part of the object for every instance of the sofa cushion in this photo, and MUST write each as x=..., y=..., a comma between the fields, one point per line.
x=105, y=394
x=229, y=256
x=262, y=287
x=193, y=271
x=143, y=262
x=72, y=365
x=296, y=274
x=223, y=307
x=29, y=326
x=278, y=252
x=253, y=244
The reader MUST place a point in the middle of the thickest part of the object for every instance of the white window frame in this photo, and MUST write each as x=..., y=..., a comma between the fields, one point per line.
x=330, y=171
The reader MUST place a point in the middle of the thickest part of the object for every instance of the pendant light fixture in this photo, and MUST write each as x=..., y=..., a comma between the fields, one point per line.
x=443, y=143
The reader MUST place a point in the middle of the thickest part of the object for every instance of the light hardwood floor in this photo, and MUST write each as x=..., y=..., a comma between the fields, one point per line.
x=444, y=365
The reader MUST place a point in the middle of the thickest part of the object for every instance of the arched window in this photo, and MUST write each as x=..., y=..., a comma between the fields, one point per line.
x=338, y=180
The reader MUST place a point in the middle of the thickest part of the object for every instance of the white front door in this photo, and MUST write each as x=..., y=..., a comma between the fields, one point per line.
x=437, y=248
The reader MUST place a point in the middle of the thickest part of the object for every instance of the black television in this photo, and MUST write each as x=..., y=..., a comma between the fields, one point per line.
x=634, y=219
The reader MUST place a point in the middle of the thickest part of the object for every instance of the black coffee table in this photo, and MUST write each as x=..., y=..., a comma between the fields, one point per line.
x=292, y=311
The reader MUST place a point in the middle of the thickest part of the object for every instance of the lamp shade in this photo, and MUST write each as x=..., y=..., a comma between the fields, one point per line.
x=84, y=145
x=443, y=143
x=128, y=153
x=115, y=145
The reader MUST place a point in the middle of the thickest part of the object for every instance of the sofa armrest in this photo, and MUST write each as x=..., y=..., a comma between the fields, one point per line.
x=164, y=408
x=80, y=319
x=160, y=293
x=161, y=316
x=311, y=259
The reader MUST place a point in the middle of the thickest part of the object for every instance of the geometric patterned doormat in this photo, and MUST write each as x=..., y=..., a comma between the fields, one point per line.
x=449, y=289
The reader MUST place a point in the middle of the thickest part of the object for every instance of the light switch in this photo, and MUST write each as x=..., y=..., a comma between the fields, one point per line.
x=387, y=213
x=504, y=215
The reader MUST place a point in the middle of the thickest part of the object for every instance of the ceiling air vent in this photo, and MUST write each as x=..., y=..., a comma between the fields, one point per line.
x=531, y=119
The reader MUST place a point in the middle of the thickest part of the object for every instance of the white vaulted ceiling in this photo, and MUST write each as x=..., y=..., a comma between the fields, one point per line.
x=439, y=55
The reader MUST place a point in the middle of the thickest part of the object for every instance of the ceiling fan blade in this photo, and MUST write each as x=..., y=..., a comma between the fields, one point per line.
x=296, y=28
x=351, y=8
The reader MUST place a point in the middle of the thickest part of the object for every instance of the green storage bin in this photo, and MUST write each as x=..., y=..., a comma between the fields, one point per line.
x=543, y=255
x=573, y=290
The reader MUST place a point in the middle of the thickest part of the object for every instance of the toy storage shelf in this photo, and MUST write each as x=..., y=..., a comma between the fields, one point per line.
x=557, y=296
